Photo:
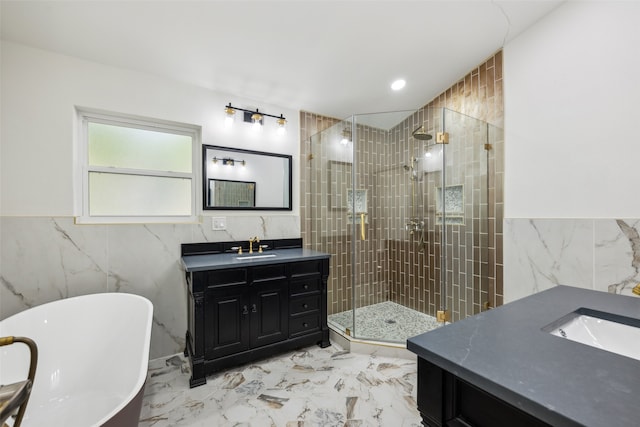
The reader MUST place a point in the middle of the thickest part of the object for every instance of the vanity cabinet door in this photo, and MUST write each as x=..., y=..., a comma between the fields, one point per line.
x=269, y=311
x=226, y=321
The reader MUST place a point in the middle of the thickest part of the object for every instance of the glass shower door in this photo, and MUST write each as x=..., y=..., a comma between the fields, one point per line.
x=395, y=239
x=462, y=211
x=330, y=174
x=370, y=137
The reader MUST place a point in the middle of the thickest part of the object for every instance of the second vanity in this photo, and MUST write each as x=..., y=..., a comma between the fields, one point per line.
x=246, y=306
x=505, y=367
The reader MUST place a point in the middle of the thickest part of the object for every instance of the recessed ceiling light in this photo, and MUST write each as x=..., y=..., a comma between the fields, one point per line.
x=398, y=84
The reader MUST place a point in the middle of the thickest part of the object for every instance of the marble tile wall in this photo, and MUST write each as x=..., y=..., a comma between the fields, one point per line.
x=598, y=254
x=45, y=259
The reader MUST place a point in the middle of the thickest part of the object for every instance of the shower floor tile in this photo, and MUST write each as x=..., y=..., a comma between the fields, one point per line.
x=385, y=321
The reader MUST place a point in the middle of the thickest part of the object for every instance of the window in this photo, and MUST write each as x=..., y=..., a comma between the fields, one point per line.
x=136, y=170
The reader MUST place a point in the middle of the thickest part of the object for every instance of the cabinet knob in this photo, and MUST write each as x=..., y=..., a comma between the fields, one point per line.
x=305, y=324
x=305, y=305
x=305, y=286
x=254, y=309
x=245, y=310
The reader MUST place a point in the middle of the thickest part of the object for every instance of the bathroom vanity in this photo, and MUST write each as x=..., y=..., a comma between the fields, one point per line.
x=504, y=367
x=246, y=306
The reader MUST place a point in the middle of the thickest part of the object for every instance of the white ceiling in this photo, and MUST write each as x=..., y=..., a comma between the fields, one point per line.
x=335, y=58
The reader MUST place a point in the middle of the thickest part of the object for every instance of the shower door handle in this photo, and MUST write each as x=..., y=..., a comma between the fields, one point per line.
x=362, y=235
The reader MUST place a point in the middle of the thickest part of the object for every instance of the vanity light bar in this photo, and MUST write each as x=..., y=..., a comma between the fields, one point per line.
x=254, y=116
x=228, y=161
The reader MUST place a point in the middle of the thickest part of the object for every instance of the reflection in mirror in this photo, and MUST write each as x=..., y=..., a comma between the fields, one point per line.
x=232, y=193
x=236, y=179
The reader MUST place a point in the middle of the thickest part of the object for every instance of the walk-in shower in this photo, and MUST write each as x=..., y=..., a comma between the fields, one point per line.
x=403, y=208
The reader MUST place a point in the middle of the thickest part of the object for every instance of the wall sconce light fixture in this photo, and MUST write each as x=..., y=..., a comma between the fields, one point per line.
x=255, y=117
x=228, y=161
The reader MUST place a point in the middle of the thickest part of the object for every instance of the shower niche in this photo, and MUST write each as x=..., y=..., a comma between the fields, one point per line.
x=357, y=206
x=450, y=205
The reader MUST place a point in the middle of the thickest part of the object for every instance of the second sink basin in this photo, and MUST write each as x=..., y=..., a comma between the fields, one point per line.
x=605, y=331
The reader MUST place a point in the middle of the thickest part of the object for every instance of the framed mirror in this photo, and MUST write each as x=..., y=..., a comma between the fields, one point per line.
x=236, y=179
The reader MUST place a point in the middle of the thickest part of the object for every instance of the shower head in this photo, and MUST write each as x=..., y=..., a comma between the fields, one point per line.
x=421, y=134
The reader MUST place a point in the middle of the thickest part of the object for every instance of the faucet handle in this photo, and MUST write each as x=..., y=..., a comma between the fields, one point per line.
x=237, y=248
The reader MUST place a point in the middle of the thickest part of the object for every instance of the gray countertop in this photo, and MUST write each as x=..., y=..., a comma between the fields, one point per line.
x=193, y=263
x=564, y=383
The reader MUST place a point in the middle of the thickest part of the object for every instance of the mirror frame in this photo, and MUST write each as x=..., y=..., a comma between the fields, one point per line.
x=205, y=180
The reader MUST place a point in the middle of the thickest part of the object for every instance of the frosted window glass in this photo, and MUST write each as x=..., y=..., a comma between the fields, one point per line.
x=130, y=148
x=138, y=195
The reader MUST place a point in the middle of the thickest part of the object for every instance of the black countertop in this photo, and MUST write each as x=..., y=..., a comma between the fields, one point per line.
x=192, y=263
x=563, y=383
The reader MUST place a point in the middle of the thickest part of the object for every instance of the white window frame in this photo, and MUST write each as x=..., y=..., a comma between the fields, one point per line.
x=84, y=116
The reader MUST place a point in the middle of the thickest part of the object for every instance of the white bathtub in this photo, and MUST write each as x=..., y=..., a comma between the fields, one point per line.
x=93, y=353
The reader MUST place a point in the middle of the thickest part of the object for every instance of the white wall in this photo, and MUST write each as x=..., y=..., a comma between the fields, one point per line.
x=572, y=145
x=40, y=91
x=44, y=256
x=571, y=93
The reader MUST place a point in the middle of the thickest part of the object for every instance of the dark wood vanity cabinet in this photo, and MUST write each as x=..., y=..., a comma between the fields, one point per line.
x=446, y=400
x=244, y=308
x=244, y=313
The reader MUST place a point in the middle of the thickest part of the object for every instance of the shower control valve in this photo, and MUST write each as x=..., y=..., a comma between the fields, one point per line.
x=414, y=225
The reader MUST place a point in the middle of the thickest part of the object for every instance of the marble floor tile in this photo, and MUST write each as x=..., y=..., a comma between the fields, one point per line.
x=309, y=387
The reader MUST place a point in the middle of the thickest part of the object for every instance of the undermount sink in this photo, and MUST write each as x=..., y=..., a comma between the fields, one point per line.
x=609, y=332
x=252, y=257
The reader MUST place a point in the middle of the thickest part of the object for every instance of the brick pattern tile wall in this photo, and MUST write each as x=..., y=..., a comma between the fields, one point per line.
x=391, y=263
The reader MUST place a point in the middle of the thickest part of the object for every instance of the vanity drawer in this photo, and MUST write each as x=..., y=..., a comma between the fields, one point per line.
x=276, y=271
x=305, y=285
x=303, y=304
x=306, y=267
x=304, y=324
x=226, y=277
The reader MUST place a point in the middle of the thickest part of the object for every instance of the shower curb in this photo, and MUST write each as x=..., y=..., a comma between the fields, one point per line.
x=378, y=348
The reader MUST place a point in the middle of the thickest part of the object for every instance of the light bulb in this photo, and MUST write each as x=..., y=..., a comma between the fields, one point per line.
x=229, y=116
x=257, y=121
x=281, y=125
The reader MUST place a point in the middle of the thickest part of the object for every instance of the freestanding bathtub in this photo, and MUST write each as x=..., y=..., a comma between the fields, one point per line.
x=93, y=353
